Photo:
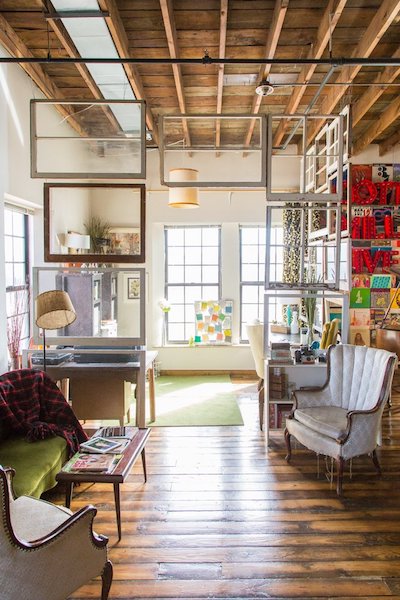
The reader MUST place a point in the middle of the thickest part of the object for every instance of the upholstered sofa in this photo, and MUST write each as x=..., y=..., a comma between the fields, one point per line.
x=38, y=430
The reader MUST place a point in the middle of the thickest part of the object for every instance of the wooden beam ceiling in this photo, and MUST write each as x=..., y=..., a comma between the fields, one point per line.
x=223, y=20
x=173, y=46
x=389, y=143
x=16, y=47
x=329, y=20
x=274, y=33
x=120, y=39
x=391, y=113
x=380, y=23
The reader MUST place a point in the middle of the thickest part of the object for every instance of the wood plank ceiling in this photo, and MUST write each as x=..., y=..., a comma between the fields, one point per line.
x=234, y=29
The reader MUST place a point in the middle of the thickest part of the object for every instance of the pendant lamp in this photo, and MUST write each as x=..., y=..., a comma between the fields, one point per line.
x=183, y=197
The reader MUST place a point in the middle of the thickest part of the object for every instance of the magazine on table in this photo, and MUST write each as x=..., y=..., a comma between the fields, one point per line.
x=127, y=432
x=94, y=463
x=100, y=445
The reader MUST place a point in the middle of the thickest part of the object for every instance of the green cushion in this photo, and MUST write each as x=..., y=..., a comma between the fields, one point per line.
x=36, y=463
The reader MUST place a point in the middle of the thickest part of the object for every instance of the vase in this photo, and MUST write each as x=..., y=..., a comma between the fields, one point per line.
x=310, y=335
x=15, y=362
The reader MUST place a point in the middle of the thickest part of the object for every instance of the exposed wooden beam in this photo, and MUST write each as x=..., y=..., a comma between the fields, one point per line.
x=223, y=20
x=70, y=47
x=391, y=113
x=16, y=47
x=173, y=46
x=118, y=34
x=329, y=20
x=380, y=23
x=388, y=144
x=364, y=103
x=274, y=32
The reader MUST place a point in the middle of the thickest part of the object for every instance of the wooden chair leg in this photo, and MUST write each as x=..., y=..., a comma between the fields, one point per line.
x=106, y=576
x=260, y=389
x=376, y=462
x=288, y=446
x=340, y=468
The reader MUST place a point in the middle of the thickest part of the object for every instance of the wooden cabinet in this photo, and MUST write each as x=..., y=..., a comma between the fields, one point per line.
x=279, y=382
x=85, y=292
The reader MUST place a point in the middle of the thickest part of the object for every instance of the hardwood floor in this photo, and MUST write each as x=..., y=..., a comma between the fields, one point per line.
x=223, y=517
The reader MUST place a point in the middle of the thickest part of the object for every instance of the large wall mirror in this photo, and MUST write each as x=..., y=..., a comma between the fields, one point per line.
x=94, y=222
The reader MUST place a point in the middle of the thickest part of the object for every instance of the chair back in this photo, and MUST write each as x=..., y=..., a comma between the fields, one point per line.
x=358, y=375
x=255, y=333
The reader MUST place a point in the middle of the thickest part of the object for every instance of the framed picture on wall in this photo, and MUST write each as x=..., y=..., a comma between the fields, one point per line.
x=133, y=288
x=124, y=240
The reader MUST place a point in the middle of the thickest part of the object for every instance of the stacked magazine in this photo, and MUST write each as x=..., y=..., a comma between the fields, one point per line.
x=280, y=354
x=94, y=463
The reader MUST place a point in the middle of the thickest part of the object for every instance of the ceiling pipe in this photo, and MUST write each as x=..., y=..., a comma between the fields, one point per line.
x=207, y=60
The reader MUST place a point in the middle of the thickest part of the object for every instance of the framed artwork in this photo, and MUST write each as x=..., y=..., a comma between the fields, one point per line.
x=124, y=240
x=133, y=288
x=360, y=336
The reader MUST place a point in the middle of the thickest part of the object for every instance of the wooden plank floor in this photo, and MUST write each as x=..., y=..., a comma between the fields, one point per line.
x=222, y=517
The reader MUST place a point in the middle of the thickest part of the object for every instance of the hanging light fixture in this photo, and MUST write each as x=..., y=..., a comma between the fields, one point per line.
x=183, y=197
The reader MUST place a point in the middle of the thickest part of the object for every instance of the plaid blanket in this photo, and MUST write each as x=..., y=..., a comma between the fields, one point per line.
x=33, y=406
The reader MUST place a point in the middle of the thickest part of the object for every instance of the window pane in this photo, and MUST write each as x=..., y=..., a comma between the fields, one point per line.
x=250, y=254
x=175, y=274
x=249, y=312
x=194, y=261
x=193, y=256
x=19, y=274
x=249, y=294
x=193, y=236
x=210, y=274
x=176, y=333
x=249, y=273
x=9, y=275
x=176, y=294
x=192, y=274
x=211, y=255
x=19, y=249
x=211, y=236
x=175, y=256
x=193, y=293
x=175, y=315
x=175, y=237
x=8, y=247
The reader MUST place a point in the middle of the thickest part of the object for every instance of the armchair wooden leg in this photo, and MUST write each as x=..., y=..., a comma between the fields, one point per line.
x=288, y=446
x=106, y=576
x=260, y=389
x=376, y=462
x=340, y=468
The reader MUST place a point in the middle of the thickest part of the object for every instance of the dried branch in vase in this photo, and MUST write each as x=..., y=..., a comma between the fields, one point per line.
x=15, y=322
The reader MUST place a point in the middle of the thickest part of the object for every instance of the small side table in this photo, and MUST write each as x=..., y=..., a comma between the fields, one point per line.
x=130, y=453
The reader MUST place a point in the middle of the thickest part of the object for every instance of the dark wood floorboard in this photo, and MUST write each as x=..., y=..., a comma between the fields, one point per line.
x=223, y=517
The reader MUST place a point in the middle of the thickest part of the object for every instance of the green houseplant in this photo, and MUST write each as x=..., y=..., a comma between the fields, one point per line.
x=99, y=231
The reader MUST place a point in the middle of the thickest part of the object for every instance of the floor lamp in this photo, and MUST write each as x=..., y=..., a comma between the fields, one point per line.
x=54, y=310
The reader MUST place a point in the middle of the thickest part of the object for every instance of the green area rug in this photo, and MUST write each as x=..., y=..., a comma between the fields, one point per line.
x=195, y=401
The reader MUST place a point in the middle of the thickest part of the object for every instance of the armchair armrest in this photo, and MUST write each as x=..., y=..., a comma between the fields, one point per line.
x=311, y=396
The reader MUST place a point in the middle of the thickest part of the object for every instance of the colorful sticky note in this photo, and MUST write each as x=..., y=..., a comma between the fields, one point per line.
x=221, y=316
x=204, y=306
x=211, y=329
x=220, y=336
x=197, y=339
x=199, y=317
x=228, y=332
x=214, y=317
x=200, y=326
x=228, y=308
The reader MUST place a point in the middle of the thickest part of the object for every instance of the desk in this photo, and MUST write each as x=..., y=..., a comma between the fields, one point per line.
x=102, y=390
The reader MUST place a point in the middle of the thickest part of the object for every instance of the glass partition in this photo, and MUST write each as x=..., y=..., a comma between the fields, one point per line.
x=109, y=305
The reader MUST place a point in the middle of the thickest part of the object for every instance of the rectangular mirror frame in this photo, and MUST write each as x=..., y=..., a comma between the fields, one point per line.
x=94, y=258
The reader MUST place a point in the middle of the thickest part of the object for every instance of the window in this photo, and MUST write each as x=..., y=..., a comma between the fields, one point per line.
x=17, y=278
x=192, y=272
x=252, y=271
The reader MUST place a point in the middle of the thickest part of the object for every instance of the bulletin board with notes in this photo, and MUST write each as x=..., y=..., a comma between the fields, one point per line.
x=213, y=322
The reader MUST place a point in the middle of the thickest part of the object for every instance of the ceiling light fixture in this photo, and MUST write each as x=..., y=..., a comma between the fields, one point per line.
x=183, y=197
x=264, y=88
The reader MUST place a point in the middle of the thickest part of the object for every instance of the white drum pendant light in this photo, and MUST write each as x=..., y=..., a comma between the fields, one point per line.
x=183, y=197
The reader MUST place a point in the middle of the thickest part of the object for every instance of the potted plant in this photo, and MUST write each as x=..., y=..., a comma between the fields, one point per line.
x=99, y=232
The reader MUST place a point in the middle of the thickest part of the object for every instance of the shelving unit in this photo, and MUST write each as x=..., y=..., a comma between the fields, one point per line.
x=282, y=379
x=84, y=290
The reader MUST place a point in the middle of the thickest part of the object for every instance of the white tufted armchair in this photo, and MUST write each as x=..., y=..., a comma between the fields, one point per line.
x=46, y=552
x=342, y=419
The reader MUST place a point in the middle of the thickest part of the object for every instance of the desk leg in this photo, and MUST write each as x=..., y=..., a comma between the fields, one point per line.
x=117, y=508
x=141, y=397
x=152, y=394
x=144, y=465
x=68, y=493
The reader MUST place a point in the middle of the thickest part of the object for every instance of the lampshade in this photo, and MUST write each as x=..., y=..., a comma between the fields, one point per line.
x=77, y=240
x=54, y=309
x=183, y=197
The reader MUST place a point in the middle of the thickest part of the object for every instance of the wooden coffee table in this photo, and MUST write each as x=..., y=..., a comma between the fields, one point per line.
x=130, y=453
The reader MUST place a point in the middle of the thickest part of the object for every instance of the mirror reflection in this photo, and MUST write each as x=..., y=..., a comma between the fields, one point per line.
x=90, y=223
x=108, y=304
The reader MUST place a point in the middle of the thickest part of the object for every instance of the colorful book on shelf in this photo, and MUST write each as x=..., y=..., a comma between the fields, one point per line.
x=99, y=445
x=93, y=463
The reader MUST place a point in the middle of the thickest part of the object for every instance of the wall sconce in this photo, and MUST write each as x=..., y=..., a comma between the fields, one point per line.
x=183, y=197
